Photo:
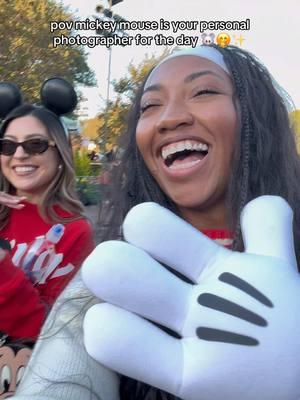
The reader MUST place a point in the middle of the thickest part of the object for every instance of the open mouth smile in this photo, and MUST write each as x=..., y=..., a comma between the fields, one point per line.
x=24, y=169
x=184, y=154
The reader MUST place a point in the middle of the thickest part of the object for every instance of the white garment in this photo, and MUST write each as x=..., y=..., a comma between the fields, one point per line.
x=60, y=367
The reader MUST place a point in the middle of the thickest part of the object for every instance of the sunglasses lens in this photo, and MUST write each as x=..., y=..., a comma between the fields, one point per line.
x=35, y=146
x=32, y=146
x=7, y=147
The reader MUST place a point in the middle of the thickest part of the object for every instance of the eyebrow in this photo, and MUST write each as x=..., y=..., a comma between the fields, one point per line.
x=32, y=135
x=187, y=79
x=196, y=75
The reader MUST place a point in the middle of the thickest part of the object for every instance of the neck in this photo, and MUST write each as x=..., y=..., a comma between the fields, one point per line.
x=30, y=197
x=206, y=219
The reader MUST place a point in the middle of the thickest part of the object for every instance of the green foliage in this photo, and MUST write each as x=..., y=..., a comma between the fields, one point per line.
x=295, y=118
x=128, y=85
x=96, y=169
x=89, y=190
x=87, y=184
x=82, y=163
x=27, y=56
x=112, y=124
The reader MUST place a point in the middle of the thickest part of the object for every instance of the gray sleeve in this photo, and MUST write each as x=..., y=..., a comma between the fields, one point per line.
x=60, y=368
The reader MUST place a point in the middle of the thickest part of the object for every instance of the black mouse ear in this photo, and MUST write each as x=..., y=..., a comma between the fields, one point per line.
x=58, y=95
x=10, y=98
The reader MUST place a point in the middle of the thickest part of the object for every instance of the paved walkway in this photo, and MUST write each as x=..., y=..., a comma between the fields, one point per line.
x=92, y=213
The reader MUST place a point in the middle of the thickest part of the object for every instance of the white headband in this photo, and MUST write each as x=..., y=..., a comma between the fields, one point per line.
x=208, y=52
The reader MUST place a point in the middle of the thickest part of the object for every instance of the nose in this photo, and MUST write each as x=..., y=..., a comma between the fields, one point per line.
x=174, y=114
x=20, y=153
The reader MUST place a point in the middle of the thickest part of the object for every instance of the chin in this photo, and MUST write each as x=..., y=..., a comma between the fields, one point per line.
x=189, y=204
x=25, y=188
x=188, y=199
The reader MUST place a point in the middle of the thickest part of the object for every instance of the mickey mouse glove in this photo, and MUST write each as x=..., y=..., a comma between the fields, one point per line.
x=238, y=321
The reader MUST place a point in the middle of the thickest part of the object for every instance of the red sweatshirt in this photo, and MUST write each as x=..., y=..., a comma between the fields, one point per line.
x=221, y=236
x=23, y=304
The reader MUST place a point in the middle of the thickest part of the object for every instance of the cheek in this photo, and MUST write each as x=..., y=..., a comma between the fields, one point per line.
x=143, y=141
x=51, y=160
x=229, y=127
x=48, y=167
x=4, y=161
x=141, y=137
x=53, y=166
x=144, y=144
x=228, y=149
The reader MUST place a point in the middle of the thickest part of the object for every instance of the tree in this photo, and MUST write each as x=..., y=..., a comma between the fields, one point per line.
x=90, y=128
x=128, y=85
x=27, y=55
x=112, y=121
x=112, y=124
x=295, y=118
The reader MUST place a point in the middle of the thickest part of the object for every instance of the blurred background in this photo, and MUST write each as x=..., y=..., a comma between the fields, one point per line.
x=106, y=79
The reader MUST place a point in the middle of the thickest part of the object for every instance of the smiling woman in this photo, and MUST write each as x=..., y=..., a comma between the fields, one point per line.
x=41, y=220
x=184, y=317
x=29, y=169
x=185, y=143
x=37, y=173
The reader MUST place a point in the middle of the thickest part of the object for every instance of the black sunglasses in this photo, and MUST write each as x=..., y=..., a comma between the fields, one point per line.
x=30, y=146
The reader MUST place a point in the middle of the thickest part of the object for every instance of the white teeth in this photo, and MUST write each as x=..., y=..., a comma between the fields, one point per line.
x=185, y=165
x=188, y=145
x=181, y=146
x=201, y=146
x=25, y=169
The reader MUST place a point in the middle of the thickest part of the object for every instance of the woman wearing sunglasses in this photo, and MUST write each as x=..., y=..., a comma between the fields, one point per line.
x=37, y=193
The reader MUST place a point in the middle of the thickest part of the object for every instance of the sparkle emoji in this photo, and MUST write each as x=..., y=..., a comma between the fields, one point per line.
x=239, y=40
x=223, y=39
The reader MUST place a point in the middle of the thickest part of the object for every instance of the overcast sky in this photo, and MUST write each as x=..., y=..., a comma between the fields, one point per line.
x=274, y=35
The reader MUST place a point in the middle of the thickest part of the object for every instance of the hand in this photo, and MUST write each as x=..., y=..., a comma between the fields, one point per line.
x=11, y=201
x=239, y=321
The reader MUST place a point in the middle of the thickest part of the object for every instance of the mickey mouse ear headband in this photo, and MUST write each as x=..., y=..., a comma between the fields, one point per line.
x=10, y=98
x=57, y=95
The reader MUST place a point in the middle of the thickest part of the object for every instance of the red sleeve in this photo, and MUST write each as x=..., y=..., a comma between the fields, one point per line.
x=78, y=243
x=21, y=311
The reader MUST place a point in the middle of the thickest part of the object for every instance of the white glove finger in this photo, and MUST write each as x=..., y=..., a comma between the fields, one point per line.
x=267, y=228
x=132, y=346
x=126, y=276
x=171, y=240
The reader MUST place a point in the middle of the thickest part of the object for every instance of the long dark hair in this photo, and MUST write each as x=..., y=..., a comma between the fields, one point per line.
x=265, y=162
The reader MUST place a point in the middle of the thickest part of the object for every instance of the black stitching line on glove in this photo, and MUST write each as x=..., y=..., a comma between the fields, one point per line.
x=217, y=335
x=239, y=283
x=223, y=305
x=220, y=304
